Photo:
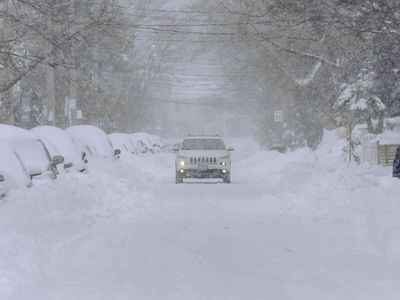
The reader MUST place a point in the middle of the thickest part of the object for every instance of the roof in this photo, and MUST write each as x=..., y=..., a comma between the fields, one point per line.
x=203, y=136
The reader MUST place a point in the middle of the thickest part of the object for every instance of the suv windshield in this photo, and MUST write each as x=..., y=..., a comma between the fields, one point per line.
x=203, y=144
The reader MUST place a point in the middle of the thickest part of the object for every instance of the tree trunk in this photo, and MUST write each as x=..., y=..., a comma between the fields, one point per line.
x=6, y=102
x=376, y=129
x=50, y=82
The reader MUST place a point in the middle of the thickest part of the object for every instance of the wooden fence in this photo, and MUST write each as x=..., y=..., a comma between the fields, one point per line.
x=376, y=153
x=370, y=152
x=386, y=154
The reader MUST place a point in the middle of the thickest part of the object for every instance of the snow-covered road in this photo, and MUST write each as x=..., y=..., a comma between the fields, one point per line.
x=289, y=227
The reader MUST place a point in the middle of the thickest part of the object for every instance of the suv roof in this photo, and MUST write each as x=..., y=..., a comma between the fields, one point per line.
x=199, y=136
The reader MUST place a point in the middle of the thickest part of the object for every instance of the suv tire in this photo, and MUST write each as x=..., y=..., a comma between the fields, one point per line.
x=227, y=179
x=178, y=179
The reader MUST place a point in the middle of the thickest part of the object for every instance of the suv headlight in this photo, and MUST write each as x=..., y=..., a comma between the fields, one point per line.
x=181, y=161
x=223, y=161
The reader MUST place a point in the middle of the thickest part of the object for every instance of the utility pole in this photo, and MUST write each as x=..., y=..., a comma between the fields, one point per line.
x=51, y=95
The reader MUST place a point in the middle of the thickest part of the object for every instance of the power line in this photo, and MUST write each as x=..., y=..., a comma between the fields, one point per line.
x=203, y=24
x=183, y=32
x=174, y=11
x=208, y=104
x=190, y=41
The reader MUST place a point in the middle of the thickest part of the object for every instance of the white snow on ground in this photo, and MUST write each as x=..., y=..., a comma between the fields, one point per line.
x=298, y=226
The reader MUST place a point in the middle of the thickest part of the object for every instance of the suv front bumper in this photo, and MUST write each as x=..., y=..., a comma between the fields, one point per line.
x=203, y=174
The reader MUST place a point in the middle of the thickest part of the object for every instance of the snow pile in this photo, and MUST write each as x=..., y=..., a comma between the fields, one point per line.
x=391, y=135
x=146, y=143
x=12, y=132
x=243, y=148
x=388, y=138
x=138, y=143
x=301, y=225
x=393, y=124
x=122, y=142
x=318, y=181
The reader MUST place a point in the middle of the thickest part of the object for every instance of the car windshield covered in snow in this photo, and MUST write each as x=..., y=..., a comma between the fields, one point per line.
x=33, y=154
x=11, y=167
x=203, y=144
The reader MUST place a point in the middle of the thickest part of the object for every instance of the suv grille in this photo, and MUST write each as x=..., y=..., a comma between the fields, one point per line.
x=209, y=160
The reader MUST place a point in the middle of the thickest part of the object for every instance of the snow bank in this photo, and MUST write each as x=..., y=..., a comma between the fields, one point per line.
x=300, y=225
x=146, y=143
x=138, y=143
x=122, y=142
x=388, y=138
x=12, y=132
x=322, y=182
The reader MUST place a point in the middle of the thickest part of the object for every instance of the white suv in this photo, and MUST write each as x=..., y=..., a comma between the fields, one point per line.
x=203, y=157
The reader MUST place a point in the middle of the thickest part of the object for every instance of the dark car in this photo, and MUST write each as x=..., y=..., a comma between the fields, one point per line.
x=396, y=164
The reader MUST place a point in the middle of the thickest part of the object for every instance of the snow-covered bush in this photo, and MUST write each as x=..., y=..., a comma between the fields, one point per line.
x=357, y=103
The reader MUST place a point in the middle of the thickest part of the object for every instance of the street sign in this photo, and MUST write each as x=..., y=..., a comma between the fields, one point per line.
x=79, y=115
x=278, y=116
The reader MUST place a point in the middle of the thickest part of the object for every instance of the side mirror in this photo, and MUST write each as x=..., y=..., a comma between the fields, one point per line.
x=176, y=148
x=2, y=179
x=84, y=159
x=230, y=149
x=35, y=173
x=279, y=148
x=68, y=166
x=57, y=160
x=117, y=153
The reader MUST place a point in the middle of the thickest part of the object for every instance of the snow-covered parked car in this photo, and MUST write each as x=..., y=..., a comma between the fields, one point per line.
x=59, y=142
x=170, y=146
x=123, y=142
x=146, y=143
x=3, y=186
x=31, y=152
x=396, y=164
x=94, y=140
x=13, y=173
x=36, y=158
